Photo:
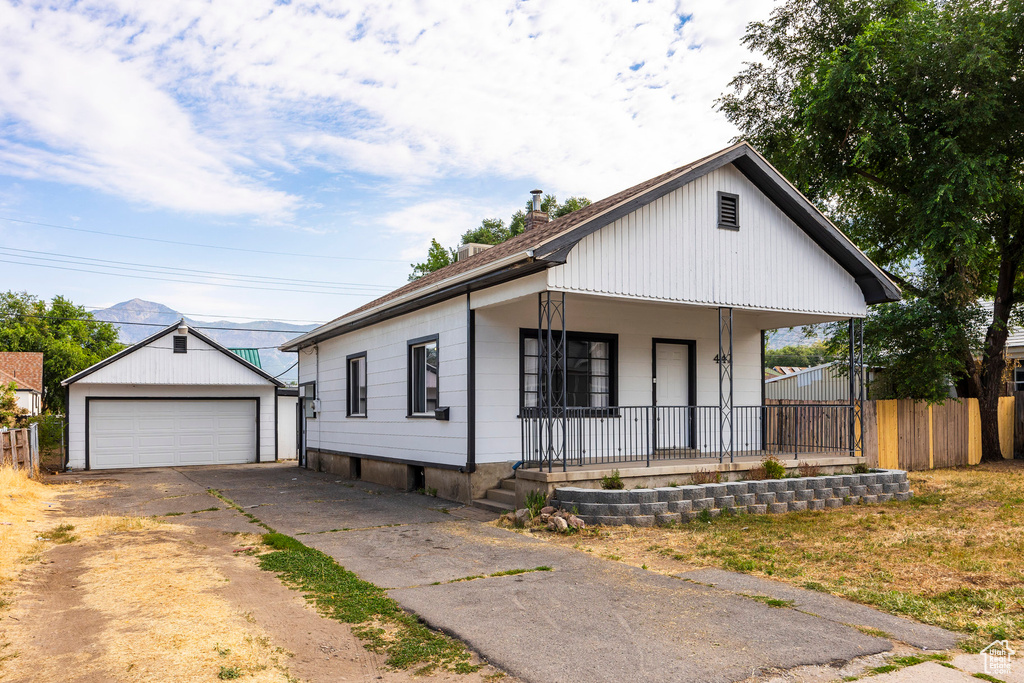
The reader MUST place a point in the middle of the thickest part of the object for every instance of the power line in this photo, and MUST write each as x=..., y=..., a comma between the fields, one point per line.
x=118, y=322
x=150, y=268
x=287, y=369
x=188, y=282
x=195, y=244
x=222, y=316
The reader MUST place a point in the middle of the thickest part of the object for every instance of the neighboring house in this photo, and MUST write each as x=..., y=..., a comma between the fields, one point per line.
x=25, y=370
x=1015, y=356
x=251, y=356
x=663, y=292
x=825, y=382
x=175, y=398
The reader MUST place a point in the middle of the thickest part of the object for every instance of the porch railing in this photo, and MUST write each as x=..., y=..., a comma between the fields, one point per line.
x=649, y=434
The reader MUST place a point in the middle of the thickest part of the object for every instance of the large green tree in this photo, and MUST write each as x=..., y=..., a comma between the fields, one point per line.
x=494, y=231
x=905, y=120
x=67, y=335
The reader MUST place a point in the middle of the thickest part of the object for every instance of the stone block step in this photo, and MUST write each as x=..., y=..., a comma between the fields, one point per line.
x=508, y=484
x=492, y=506
x=502, y=496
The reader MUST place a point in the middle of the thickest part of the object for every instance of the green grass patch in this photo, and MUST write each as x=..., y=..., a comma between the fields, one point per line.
x=60, y=534
x=229, y=673
x=235, y=506
x=210, y=509
x=172, y=514
x=991, y=679
x=771, y=602
x=377, y=619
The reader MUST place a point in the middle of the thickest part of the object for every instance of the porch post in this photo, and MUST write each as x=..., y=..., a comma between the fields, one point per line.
x=856, y=371
x=553, y=392
x=725, y=384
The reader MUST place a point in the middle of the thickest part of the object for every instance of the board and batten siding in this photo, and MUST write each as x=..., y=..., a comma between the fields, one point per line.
x=673, y=250
x=386, y=431
x=637, y=324
x=81, y=389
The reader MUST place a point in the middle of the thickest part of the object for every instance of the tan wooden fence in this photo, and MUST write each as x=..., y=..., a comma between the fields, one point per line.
x=912, y=435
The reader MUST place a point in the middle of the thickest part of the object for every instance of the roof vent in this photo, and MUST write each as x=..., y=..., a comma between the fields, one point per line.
x=180, y=344
x=728, y=211
x=472, y=248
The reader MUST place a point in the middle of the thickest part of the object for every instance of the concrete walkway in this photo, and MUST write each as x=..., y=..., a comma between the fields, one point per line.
x=587, y=619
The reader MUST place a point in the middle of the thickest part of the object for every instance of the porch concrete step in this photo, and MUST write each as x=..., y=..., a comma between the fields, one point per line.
x=492, y=505
x=502, y=496
x=508, y=484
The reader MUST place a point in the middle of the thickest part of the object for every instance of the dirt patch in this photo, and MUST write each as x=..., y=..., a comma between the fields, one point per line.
x=142, y=599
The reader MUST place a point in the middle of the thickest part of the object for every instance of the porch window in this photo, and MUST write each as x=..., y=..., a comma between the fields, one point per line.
x=591, y=361
x=1018, y=379
x=356, y=404
x=423, y=377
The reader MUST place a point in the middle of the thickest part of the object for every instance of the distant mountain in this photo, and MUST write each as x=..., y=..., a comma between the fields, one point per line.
x=793, y=336
x=138, y=319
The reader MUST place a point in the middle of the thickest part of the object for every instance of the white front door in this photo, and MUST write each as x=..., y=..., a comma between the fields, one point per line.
x=159, y=433
x=672, y=394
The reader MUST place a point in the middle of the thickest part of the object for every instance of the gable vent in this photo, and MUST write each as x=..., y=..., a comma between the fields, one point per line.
x=180, y=344
x=728, y=211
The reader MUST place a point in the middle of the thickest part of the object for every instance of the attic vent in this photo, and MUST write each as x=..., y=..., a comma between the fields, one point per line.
x=180, y=344
x=728, y=211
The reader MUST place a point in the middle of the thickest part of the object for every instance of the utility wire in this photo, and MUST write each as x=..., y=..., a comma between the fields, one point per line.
x=150, y=268
x=194, y=244
x=289, y=368
x=221, y=316
x=188, y=282
x=118, y=322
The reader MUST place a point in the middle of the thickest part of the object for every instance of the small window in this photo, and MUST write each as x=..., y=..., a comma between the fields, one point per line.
x=307, y=392
x=728, y=211
x=356, y=385
x=1018, y=379
x=180, y=344
x=423, y=377
x=590, y=361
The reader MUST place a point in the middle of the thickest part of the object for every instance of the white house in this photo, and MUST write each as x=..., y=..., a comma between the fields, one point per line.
x=175, y=398
x=626, y=332
x=24, y=369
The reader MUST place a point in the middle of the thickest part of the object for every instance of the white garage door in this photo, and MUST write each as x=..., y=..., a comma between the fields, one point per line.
x=143, y=433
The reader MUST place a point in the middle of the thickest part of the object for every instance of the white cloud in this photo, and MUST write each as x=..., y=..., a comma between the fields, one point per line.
x=188, y=103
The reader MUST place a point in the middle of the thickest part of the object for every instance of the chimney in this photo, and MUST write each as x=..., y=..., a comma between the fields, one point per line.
x=536, y=217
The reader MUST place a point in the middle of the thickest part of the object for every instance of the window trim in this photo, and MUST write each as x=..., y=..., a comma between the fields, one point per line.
x=181, y=339
x=348, y=385
x=718, y=200
x=304, y=399
x=1017, y=381
x=410, y=345
x=613, y=363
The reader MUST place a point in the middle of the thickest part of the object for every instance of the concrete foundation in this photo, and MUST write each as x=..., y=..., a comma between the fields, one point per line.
x=449, y=484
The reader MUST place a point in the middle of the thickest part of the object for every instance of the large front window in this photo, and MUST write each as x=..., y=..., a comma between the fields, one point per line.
x=589, y=367
x=423, y=375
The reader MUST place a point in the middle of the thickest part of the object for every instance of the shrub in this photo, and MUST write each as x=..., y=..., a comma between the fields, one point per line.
x=535, y=500
x=756, y=474
x=706, y=477
x=809, y=470
x=860, y=468
x=612, y=481
x=773, y=469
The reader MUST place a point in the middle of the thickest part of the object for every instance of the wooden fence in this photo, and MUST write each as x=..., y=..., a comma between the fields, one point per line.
x=19, y=448
x=912, y=435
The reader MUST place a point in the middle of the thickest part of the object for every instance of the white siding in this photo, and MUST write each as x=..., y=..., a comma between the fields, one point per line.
x=79, y=390
x=672, y=250
x=636, y=324
x=156, y=363
x=386, y=431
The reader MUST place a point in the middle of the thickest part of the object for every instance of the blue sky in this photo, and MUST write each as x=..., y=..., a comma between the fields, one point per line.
x=351, y=133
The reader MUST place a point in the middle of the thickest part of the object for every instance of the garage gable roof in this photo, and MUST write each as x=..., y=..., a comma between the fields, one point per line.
x=152, y=338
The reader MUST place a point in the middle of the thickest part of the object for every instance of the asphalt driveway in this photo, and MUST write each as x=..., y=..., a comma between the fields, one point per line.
x=589, y=619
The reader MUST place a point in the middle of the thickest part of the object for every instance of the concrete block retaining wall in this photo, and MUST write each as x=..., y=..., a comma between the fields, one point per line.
x=645, y=507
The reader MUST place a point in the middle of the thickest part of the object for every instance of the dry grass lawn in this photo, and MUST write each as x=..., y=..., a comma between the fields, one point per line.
x=953, y=556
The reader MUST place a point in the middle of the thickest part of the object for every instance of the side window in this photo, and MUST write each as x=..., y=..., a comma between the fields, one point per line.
x=356, y=403
x=1018, y=379
x=307, y=394
x=423, y=382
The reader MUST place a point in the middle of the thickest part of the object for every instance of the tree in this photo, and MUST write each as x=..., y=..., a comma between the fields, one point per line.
x=797, y=356
x=437, y=258
x=67, y=335
x=494, y=231
x=9, y=408
x=905, y=119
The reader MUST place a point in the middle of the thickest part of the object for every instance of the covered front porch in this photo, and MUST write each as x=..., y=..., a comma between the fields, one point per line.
x=572, y=418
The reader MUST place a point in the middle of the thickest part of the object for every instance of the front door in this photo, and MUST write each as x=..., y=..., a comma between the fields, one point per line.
x=672, y=386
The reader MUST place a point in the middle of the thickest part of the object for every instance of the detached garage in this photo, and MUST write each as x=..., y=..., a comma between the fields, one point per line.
x=176, y=398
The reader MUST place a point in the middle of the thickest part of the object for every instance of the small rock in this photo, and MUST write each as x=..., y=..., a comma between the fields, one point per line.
x=544, y=516
x=560, y=523
x=522, y=515
x=547, y=510
x=576, y=523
